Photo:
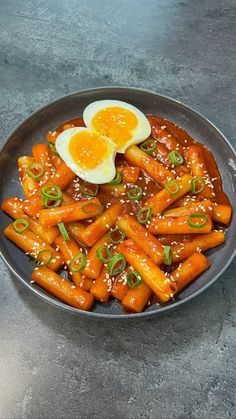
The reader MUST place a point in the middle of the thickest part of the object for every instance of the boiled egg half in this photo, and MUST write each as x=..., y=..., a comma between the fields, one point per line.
x=88, y=153
x=123, y=123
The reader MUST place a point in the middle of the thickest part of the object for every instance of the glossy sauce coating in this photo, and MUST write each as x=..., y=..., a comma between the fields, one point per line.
x=177, y=137
x=186, y=140
x=137, y=249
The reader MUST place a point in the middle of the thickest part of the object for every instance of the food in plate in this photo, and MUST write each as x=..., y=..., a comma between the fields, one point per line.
x=118, y=205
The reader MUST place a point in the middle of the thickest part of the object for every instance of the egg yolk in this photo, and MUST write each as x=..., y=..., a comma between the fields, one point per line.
x=88, y=149
x=115, y=122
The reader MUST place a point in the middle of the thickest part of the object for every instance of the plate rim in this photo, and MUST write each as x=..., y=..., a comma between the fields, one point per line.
x=75, y=311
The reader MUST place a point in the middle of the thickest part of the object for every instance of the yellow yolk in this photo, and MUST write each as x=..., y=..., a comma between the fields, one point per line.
x=88, y=149
x=115, y=122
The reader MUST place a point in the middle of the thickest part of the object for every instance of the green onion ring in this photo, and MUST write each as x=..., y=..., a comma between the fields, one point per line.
x=79, y=257
x=52, y=192
x=176, y=158
x=38, y=263
x=194, y=189
x=116, y=259
x=18, y=222
x=141, y=213
x=196, y=225
x=149, y=146
x=172, y=183
x=134, y=282
x=36, y=166
x=113, y=231
x=54, y=204
x=91, y=213
x=135, y=194
x=100, y=251
x=85, y=192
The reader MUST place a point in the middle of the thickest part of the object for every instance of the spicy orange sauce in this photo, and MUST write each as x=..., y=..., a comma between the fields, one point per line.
x=186, y=140
x=168, y=136
x=148, y=186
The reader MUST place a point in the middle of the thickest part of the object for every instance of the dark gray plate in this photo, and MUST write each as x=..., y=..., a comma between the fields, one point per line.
x=34, y=129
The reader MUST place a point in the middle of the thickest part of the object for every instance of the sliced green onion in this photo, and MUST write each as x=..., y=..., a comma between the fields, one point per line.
x=117, y=179
x=169, y=185
x=100, y=254
x=89, y=189
x=51, y=196
x=45, y=251
x=52, y=148
x=176, y=158
x=149, y=146
x=49, y=203
x=78, y=262
x=197, y=225
x=35, y=167
x=134, y=279
x=96, y=209
x=144, y=214
x=119, y=260
x=167, y=255
x=21, y=222
x=63, y=231
x=112, y=235
x=135, y=194
x=194, y=185
x=52, y=192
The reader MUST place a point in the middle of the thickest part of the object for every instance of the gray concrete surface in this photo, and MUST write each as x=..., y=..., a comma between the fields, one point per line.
x=180, y=366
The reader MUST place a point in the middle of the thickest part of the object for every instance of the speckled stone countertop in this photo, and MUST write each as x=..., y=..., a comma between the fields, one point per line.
x=54, y=365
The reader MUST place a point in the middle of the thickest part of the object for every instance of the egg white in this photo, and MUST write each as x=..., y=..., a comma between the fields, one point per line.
x=139, y=134
x=103, y=173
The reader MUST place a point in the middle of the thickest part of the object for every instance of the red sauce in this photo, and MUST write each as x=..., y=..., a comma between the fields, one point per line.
x=77, y=122
x=168, y=135
x=186, y=140
x=148, y=186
